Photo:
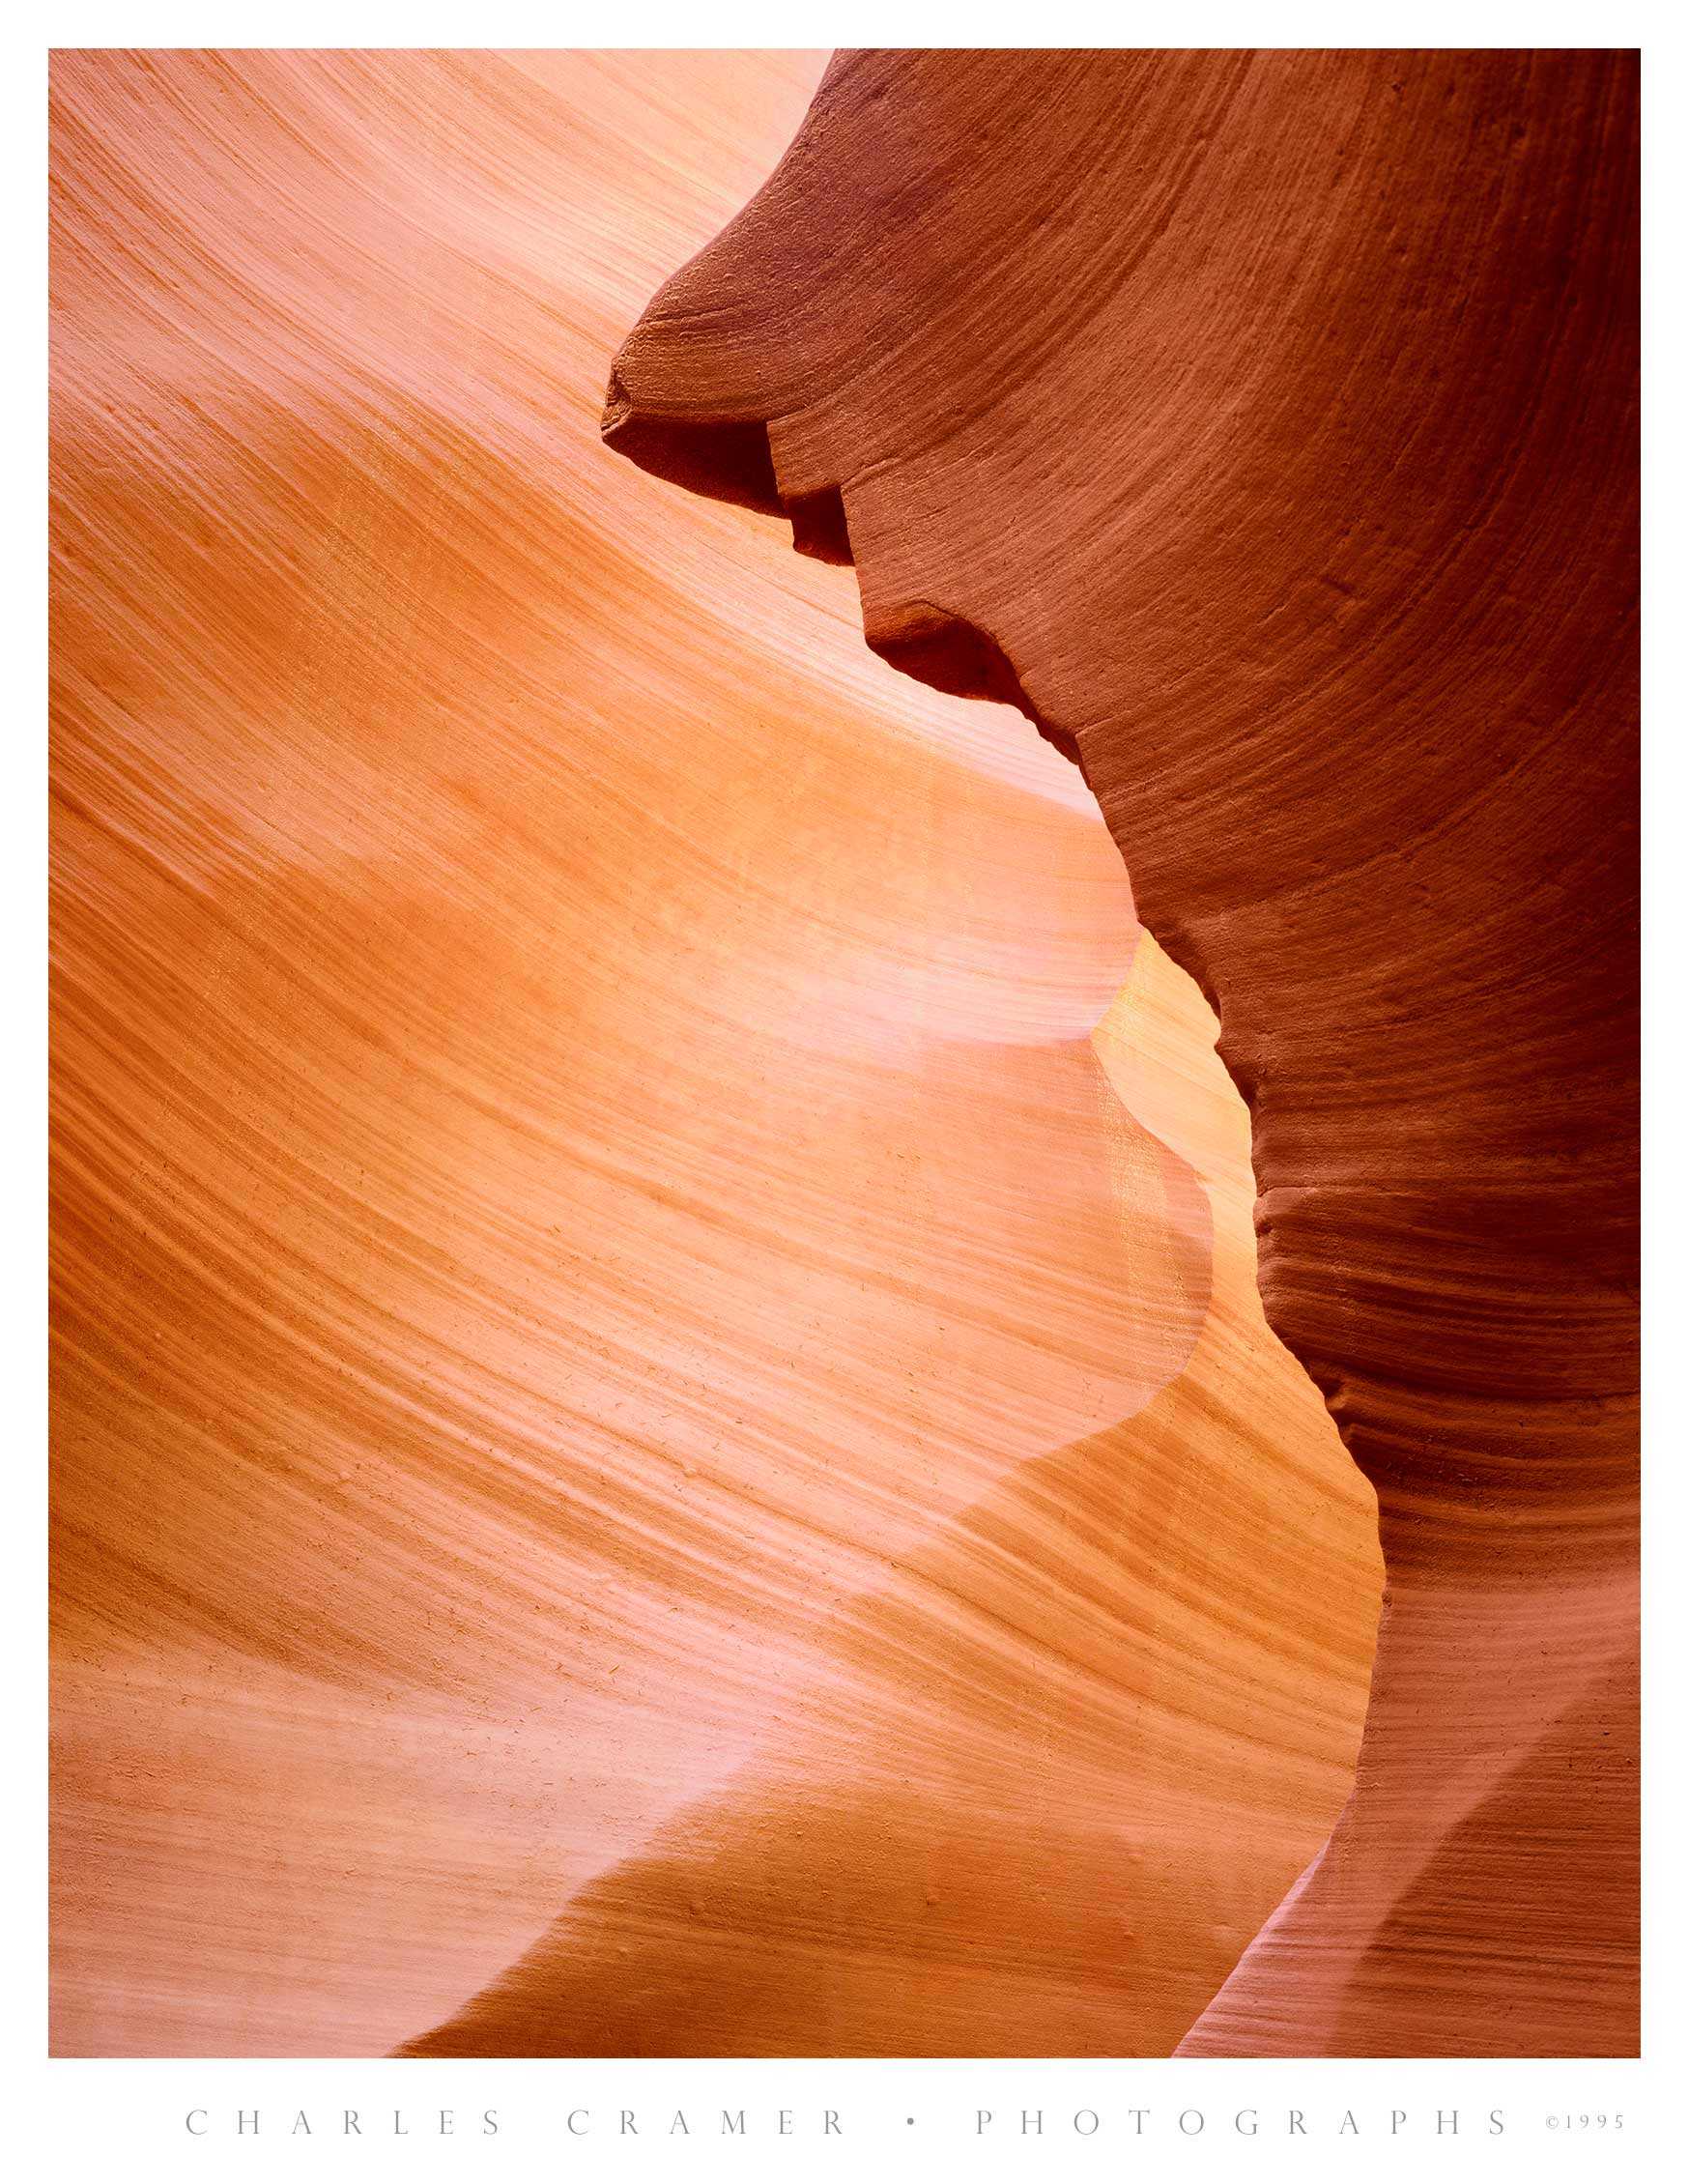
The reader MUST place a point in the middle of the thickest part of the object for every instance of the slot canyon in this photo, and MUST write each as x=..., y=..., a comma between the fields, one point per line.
x=702, y=1403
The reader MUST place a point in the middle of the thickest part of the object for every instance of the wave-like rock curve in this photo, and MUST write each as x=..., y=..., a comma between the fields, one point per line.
x=655, y=1333
x=1265, y=426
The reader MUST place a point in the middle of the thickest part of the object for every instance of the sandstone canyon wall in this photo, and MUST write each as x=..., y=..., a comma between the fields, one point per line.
x=1264, y=425
x=664, y=1434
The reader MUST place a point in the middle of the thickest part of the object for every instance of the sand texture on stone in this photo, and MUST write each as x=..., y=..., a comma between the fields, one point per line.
x=665, y=1439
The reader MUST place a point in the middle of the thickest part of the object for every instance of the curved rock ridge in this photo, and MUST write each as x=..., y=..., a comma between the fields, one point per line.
x=655, y=1336
x=1050, y=1774
x=1264, y=425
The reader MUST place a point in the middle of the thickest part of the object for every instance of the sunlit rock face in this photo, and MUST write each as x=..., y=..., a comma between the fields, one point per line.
x=1053, y=1770
x=1265, y=426
x=665, y=1439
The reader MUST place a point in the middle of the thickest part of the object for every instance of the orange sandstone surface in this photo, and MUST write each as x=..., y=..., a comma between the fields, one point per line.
x=664, y=1437
x=1264, y=425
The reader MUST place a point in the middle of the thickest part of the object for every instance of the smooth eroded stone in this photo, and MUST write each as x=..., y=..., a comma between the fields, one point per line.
x=1264, y=425
x=663, y=1435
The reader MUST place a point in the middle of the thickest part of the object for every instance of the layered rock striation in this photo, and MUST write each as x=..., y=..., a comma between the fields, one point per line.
x=662, y=1418
x=1263, y=426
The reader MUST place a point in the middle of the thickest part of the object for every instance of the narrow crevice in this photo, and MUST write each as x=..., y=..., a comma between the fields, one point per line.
x=819, y=527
